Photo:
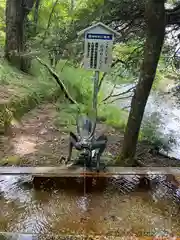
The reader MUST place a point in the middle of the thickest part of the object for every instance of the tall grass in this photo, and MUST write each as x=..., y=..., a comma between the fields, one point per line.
x=80, y=85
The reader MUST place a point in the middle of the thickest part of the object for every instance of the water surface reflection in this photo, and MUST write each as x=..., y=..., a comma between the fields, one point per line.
x=107, y=212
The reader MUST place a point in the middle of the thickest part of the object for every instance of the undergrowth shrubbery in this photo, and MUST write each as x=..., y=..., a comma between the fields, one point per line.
x=24, y=84
x=80, y=85
x=150, y=131
x=113, y=115
x=21, y=92
x=77, y=81
x=30, y=90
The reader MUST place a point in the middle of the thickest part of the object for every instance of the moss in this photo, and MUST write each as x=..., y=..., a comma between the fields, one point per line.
x=28, y=92
x=10, y=160
x=21, y=106
x=6, y=117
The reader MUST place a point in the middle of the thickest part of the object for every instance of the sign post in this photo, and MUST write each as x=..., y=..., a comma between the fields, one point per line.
x=98, y=43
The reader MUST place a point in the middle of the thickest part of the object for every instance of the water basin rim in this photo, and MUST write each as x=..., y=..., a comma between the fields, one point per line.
x=79, y=171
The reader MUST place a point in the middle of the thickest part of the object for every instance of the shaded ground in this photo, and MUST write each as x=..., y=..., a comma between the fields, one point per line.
x=6, y=92
x=38, y=141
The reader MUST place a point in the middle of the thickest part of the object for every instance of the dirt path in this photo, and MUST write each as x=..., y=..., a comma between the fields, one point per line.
x=37, y=141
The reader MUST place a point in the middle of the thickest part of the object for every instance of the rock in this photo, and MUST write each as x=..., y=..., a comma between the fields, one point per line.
x=43, y=131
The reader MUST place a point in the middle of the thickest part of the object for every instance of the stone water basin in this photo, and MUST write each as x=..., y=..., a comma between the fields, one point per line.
x=113, y=210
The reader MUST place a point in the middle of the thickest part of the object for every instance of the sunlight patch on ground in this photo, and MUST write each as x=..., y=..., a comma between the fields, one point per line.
x=24, y=145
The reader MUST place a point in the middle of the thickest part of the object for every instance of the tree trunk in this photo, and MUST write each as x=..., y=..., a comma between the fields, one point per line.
x=36, y=14
x=15, y=46
x=155, y=24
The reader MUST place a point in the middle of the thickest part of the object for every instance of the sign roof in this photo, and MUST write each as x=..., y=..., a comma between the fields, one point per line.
x=99, y=24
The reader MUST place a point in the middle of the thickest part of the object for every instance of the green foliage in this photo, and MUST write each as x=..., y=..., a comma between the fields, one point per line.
x=78, y=81
x=120, y=75
x=66, y=117
x=113, y=115
x=130, y=53
x=58, y=24
x=25, y=83
x=164, y=74
x=174, y=2
x=22, y=92
x=2, y=23
x=150, y=131
x=127, y=69
x=158, y=79
x=10, y=160
x=32, y=90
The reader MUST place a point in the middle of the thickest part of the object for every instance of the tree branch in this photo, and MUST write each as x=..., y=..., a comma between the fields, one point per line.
x=36, y=11
x=105, y=74
x=120, y=98
x=127, y=91
x=111, y=93
x=126, y=107
x=59, y=82
x=119, y=94
x=101, y=80
x=49, y=21
x=131, y=54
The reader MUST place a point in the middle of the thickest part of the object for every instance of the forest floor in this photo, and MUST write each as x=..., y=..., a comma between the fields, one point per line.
x=37, y=140
x=41, y=133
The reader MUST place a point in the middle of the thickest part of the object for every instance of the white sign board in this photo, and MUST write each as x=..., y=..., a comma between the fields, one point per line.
x=98, y=47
